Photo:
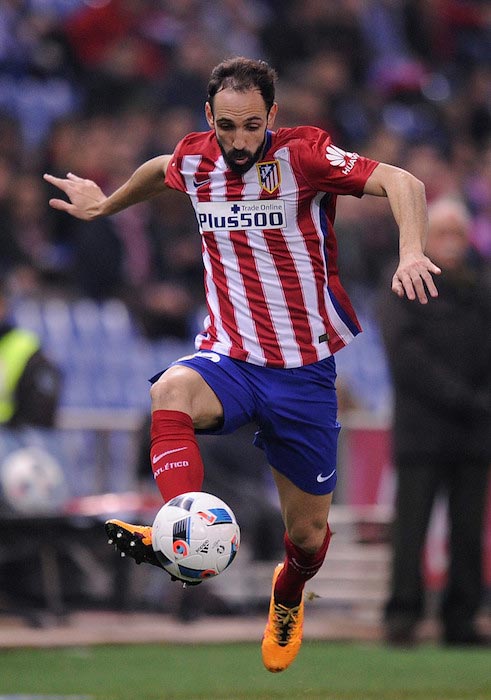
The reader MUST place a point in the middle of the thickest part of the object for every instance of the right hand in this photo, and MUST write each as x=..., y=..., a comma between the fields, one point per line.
x=86, y=197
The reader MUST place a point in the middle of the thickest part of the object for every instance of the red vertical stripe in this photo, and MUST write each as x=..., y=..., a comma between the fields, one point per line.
x=227, y=312
x=256, y=300
x=292, y=291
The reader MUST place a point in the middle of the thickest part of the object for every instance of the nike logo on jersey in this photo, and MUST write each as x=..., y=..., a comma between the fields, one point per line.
x=157, y=458
x=321, y=478
x=199, y=183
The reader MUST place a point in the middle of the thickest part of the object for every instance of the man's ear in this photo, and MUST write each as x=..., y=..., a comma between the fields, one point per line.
x=272, y=114
x=209, y=115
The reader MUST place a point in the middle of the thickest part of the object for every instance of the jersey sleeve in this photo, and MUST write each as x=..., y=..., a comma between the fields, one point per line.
x=173, y=176
x=329, y=168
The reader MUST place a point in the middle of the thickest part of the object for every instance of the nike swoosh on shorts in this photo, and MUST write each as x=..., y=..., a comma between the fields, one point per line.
x=321, y=478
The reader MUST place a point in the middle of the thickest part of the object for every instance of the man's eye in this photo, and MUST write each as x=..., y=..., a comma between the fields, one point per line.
x=252, y=127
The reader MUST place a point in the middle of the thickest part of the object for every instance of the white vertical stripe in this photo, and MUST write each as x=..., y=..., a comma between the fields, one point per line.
x=237, y=292
x=213, y=305
x=218, y=182
x=189, y=167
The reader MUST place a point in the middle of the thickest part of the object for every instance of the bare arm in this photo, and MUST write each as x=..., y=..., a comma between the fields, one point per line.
x=87, y=201
x=406, y=195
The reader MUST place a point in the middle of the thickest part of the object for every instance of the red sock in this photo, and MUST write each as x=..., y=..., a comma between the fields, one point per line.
x=176, y=461
x=299, y=567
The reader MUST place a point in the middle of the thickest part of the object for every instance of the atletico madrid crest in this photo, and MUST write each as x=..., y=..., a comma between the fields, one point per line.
x=269, y=175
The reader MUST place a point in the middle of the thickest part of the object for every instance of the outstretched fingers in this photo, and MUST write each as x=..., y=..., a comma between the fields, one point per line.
x=60, y=182
x=84, y=196
x=416, y=281
x=60, y=204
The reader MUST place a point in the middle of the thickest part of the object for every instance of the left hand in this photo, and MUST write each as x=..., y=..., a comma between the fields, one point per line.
x=414, y=276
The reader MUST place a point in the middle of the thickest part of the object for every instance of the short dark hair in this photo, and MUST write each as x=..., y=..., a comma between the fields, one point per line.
x=243, y=74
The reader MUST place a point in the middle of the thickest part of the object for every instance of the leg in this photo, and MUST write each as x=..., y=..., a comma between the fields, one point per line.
x=417, y=485
x=299, y=434
x=181, y=402
x=307, y=538
x=467, y=486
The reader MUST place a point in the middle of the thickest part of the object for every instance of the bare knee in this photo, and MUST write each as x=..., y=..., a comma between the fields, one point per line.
x=308, y=534
x=183, y=389
x=170, y=392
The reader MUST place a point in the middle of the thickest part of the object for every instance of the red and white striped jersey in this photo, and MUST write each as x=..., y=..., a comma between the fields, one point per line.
x=273, y=293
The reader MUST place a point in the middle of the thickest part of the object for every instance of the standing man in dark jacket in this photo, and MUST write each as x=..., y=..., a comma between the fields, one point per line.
x=440, y=361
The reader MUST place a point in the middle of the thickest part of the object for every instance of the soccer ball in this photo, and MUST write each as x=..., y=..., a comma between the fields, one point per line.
x=32, y=482
x=195, y=536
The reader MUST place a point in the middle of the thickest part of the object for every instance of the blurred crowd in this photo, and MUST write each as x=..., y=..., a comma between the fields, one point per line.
x=95, y=87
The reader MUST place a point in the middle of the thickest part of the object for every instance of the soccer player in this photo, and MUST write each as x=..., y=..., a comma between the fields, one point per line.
x=265, y=203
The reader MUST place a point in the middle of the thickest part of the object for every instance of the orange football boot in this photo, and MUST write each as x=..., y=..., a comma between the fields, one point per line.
x=283, y=634
x=136, y=541
x=132, y=540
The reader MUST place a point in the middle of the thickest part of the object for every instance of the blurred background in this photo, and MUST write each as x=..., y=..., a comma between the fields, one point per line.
x=95, y=87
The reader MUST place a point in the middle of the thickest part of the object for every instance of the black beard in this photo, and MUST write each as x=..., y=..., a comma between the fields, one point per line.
x=233, y=154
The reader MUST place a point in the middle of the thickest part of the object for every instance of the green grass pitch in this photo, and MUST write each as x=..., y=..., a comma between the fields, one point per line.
x=322, y=671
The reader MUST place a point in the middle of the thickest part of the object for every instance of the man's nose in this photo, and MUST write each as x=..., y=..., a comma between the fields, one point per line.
x=239, y=141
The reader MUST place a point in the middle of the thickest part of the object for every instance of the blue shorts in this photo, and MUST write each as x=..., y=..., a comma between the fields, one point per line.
x=295, y=411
